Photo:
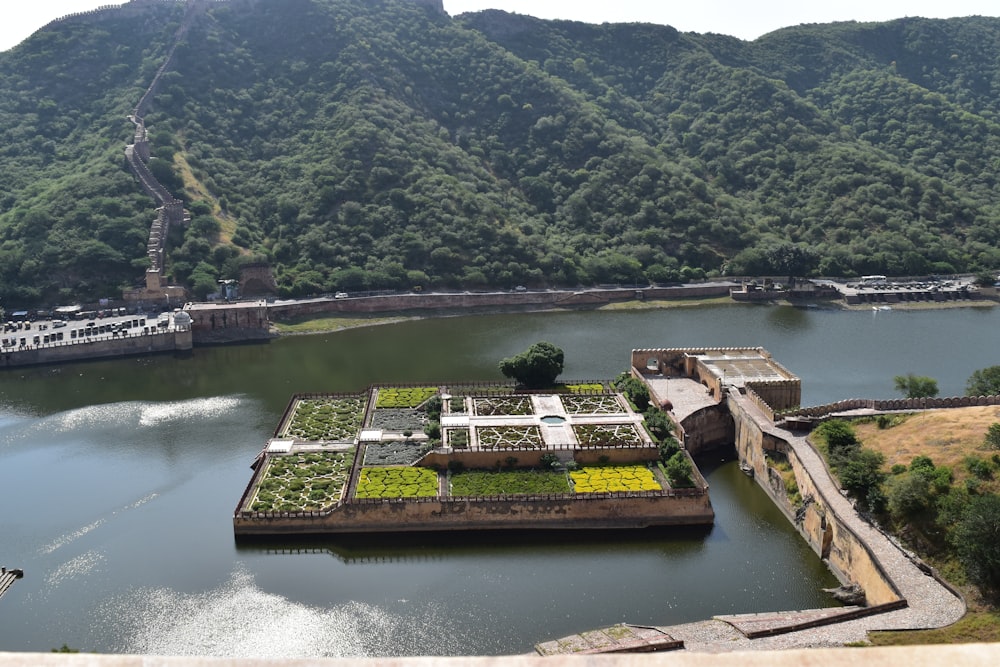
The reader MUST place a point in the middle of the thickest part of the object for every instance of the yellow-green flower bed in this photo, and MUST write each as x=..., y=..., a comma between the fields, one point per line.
x=397, y=482
x=403, y=397
x=602, y=479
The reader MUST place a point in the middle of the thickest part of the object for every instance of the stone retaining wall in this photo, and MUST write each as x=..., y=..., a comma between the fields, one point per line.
x=171, y=341
x=565, y=512
x=822, y=529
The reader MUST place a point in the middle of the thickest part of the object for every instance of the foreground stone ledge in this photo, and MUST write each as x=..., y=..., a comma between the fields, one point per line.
x=954, y=655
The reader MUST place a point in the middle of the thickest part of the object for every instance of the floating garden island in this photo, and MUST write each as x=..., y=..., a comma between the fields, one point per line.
x=464, y=457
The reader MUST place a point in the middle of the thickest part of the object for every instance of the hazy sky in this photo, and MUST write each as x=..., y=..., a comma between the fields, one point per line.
x=746, y=19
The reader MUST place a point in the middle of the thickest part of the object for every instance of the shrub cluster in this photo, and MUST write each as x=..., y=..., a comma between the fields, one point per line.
x=603, y=479
x=302, y=482
x=331, y=419
x=397, y=482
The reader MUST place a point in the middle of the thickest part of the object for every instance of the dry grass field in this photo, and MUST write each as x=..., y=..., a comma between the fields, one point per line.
x=946, y=436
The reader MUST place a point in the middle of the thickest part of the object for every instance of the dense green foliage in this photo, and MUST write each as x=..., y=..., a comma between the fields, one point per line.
x=679, y=470
x=953, y=522
x=977, y=537
x=384, y=145
x=535, y=368
x=916, y=386
x=634, y=389
x=857, y=468
x=984, y=382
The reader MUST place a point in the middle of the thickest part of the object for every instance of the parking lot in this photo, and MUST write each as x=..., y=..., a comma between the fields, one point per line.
x=27, y=334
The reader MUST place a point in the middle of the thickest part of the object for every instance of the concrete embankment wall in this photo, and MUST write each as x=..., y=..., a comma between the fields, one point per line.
x=507, y=300
x=822, y=529
x=829, y=537
x=172, y=341
x=581, y=511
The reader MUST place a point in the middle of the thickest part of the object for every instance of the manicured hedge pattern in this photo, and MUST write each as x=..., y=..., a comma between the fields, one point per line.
x=328, y=419
x=302, y=482
x=403, y=397
x=592, y=405
x=603, y=479
x=397, y=482
x=509, y=437
x=606, y=435
x=503, y=405
x=457, y=438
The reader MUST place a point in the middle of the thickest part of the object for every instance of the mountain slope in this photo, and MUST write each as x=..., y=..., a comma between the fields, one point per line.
x=383, y=145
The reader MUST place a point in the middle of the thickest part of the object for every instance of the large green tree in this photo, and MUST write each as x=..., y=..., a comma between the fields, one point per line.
x=977, y=540
x=916, y=386
x=984, y=382
x=535, y=368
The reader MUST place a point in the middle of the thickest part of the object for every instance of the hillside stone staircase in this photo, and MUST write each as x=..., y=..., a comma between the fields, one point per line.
x=169, y=210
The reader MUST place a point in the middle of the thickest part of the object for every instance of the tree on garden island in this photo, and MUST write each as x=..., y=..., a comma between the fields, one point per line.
x=535, y=368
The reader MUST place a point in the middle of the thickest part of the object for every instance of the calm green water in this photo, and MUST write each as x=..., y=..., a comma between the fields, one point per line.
x=118, y=481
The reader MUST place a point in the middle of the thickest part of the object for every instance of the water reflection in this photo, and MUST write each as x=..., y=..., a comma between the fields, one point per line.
x=788, y=319
x=446, y=545
x=124, y=475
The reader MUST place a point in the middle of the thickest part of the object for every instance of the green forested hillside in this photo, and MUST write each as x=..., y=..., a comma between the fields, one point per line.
x=385, y=145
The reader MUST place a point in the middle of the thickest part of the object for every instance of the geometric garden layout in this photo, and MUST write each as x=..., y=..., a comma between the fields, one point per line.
x=335, y=449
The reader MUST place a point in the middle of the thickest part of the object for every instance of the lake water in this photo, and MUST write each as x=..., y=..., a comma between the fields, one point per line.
x=118, y=481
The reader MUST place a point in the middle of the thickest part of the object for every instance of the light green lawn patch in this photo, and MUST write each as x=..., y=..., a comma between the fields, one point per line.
x=333, y=323
x=511, y=482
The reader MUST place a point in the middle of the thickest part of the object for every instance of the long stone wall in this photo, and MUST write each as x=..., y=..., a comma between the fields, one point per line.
x=889, y=405
x=170, y=341
x=822, y=529
x=460, y=301
x=564, y=512
x=170, y=210
x=227, y=323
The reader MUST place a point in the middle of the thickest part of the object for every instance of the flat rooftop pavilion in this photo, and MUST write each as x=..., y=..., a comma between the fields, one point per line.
x=742, y=368
x=736, y=368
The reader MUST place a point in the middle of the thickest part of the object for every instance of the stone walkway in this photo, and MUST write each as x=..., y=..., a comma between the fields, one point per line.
x=931, y=604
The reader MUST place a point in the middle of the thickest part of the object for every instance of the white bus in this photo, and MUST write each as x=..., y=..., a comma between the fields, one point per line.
x=872, y=280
